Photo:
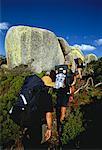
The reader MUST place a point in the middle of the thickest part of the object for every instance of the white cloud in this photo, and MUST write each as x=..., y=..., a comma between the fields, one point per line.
x=98, y=42
x=85, y=47
x=3, y=26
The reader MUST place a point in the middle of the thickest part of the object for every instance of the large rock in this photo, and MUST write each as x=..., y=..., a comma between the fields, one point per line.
x=38, y=47
x=64, y=45
x=90, y=57
x=74, y=53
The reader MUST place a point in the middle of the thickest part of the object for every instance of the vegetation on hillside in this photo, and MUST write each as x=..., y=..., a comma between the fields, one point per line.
x=10, y=85
x=2, y=60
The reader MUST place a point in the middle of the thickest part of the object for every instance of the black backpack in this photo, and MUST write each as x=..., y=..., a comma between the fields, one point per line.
x=27, y=104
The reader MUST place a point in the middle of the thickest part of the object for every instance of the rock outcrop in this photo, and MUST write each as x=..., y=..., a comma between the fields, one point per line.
x=90, y=57
x=36, y=47
x=74, y=53
x=64, y=46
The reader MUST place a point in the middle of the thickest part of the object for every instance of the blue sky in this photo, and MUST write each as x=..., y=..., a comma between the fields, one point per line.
x=78, y=21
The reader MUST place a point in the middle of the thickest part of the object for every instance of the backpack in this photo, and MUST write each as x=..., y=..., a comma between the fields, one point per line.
x=26, y=105
x=79, y=62
x=64, y=76
x=61, y=73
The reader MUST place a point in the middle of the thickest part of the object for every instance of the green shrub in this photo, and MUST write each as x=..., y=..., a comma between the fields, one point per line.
x=9, y=89
x=72, y=126
x=41, y=74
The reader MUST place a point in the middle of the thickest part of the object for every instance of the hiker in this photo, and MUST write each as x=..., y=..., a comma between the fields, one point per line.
x=33, y=108
x=66, y=92
x=72, y=84
x=45, y=108
x=79, y=67
x=64, y=78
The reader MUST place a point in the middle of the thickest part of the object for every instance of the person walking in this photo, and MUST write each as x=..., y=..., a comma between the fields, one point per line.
x=64, y=79
x=33, y=135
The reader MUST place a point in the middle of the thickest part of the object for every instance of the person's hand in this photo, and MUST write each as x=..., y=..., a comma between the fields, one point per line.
x=48, y=134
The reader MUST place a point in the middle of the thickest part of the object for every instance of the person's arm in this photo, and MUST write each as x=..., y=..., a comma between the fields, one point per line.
x=49, y=125
x=71, y=95
x=74, y=81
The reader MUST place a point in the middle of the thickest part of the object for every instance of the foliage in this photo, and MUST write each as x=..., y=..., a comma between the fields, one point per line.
x=97, y=70
x=2, y=60
x=95, y=94
x=72, y=126
x=88, y=95
x=10, y=84
x=82, y=97
x=94, y=69
x=41, y=74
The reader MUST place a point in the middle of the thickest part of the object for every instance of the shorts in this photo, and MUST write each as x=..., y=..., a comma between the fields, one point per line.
x=62, y=98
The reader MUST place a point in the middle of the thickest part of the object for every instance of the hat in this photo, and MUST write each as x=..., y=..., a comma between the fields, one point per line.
x=48, y=81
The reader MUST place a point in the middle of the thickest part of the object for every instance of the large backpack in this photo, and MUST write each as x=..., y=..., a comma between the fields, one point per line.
x=61, y=73
x=64, y=76
x=26, y=105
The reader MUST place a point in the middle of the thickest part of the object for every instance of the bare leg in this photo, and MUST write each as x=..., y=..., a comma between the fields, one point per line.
x=80, y=72
x=63, y=113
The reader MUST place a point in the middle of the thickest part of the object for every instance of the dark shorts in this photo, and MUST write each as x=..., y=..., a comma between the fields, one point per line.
x=62, y=98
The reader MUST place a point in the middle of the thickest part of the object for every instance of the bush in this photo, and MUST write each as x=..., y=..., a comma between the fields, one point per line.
x=72, y=126
x=2, y=60
x=94, y=69
x=10, y=85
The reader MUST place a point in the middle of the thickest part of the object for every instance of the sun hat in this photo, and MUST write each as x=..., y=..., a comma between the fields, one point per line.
x=48, y=81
